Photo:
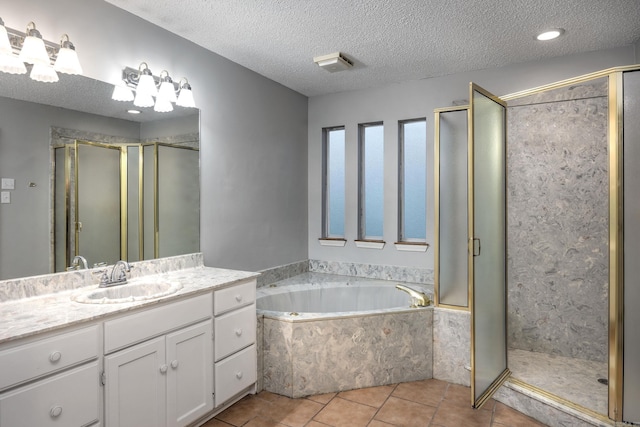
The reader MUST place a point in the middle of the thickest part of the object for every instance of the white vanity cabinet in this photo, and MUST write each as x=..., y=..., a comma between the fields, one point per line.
x=235, y=337
x=158, y=365
x=52, y=381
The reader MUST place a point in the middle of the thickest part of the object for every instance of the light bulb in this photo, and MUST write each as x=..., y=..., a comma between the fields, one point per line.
x=122, y=93
x=67, y=61
x=33, y=50
x=143, y=100
x=43, y=73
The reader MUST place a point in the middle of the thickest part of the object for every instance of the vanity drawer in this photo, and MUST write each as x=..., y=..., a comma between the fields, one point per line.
x=67, y=399
x=134, y=328
x=234, y=374
x=236, y=296
x=37, y=358
x=235, y=330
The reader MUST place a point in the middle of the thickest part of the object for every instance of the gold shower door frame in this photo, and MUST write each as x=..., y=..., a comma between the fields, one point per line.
x=487, y=178
x=123, y=193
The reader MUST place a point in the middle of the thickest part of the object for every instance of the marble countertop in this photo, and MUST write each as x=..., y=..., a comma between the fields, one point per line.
x=24, y=317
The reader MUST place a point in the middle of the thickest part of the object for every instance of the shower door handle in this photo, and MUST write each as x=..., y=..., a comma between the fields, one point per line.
x=473, y=247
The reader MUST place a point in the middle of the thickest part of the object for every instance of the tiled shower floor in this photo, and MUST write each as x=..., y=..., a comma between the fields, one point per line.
x=575, y=380
x=427, y=403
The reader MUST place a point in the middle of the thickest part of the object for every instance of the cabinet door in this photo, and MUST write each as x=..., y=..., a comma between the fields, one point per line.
x=135, y=386
x=190, y=376
x=69, y=399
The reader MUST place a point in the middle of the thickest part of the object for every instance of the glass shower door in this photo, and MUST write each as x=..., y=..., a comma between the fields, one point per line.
x=487, y=243
x=98, y=234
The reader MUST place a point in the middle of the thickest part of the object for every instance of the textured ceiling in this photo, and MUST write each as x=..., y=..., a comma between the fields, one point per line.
x=389, y=41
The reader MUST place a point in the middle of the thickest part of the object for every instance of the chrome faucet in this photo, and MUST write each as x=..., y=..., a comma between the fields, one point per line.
x=115, y=278
x=79, y=262
x=418, y=299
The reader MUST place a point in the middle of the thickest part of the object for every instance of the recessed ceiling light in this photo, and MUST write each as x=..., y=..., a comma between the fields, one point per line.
x=133, y=111
x=550, y=34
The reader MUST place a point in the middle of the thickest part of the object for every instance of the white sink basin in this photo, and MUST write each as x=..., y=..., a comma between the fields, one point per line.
x=136, y=290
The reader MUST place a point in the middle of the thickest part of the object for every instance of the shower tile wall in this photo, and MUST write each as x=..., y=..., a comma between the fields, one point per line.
x=558, y=222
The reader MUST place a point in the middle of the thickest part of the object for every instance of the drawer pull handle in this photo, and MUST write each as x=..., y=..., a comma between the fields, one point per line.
x=239, y=298
x=55, y=411
x=239, y=375
x=174, y=364
x=238, y=332
x=163, y=369
x=55, y=357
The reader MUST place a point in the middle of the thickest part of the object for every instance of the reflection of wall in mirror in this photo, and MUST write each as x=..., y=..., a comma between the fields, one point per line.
x=25, y=136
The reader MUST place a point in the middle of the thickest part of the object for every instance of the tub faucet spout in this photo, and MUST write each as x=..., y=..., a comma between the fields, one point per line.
x=418, y=299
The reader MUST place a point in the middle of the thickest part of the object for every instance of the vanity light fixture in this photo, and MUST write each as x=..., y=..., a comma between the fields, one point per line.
x=9, y=63
x=18, y=49
x=147, y=87
x=67, y=61
x=185, y=98
x=550, y=34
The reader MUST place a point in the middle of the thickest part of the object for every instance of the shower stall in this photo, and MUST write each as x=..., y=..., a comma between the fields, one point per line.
x=572, y=226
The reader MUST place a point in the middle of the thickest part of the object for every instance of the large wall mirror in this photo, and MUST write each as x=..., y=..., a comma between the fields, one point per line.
x=90, y=178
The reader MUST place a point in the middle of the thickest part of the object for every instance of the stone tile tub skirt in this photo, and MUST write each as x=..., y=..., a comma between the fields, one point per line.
x=361, y=333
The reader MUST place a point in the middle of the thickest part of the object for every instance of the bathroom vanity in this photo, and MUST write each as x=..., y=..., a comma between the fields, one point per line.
x=172, y=361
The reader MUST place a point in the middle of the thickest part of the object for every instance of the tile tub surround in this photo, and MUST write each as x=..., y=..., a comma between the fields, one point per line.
x=323, y=352
x=276, y=274
x=451, y=344
x=558, y=222
x=52, y=311
x=312, y=357
x=374, y=271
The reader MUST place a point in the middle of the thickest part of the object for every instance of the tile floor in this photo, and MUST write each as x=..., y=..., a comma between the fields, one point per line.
x=421, y=403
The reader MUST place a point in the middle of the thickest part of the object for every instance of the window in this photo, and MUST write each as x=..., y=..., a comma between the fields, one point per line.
x=371, y=181
x=412, y=181
x=333, y=182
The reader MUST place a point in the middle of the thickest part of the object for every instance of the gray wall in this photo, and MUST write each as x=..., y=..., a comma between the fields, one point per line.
x=253, y=130
x=24, y=156
x=409, y=100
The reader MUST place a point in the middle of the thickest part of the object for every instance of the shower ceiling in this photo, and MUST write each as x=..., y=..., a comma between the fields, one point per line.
x=389, y=41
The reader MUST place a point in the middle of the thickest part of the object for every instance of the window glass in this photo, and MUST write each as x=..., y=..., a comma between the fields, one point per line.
x=413, y=180
x=334, y=182
x=371, y=181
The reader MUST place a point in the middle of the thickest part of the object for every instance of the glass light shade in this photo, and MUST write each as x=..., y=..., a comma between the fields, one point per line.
x=146, y=85
x=67, y=62
x=5, y=46
x=122, y=93
x=43, y=73
x=33, y=51
x=185, y=99
x=168, y=92
x=163, y=105
x=11, y=64
x=143, y=100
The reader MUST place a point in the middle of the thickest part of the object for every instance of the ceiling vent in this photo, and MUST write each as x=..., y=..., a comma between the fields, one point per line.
x=333, y=62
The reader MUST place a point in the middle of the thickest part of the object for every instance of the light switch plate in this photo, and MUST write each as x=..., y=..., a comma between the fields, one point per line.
x=8, y=183
x=5, y=197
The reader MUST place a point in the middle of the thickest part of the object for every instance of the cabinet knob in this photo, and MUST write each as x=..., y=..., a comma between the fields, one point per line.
x=238, y=332
x=239, y=375
x=55, y=411
x=163, y=369
x=174, y=364
x=239, y=298
x=55, y=356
